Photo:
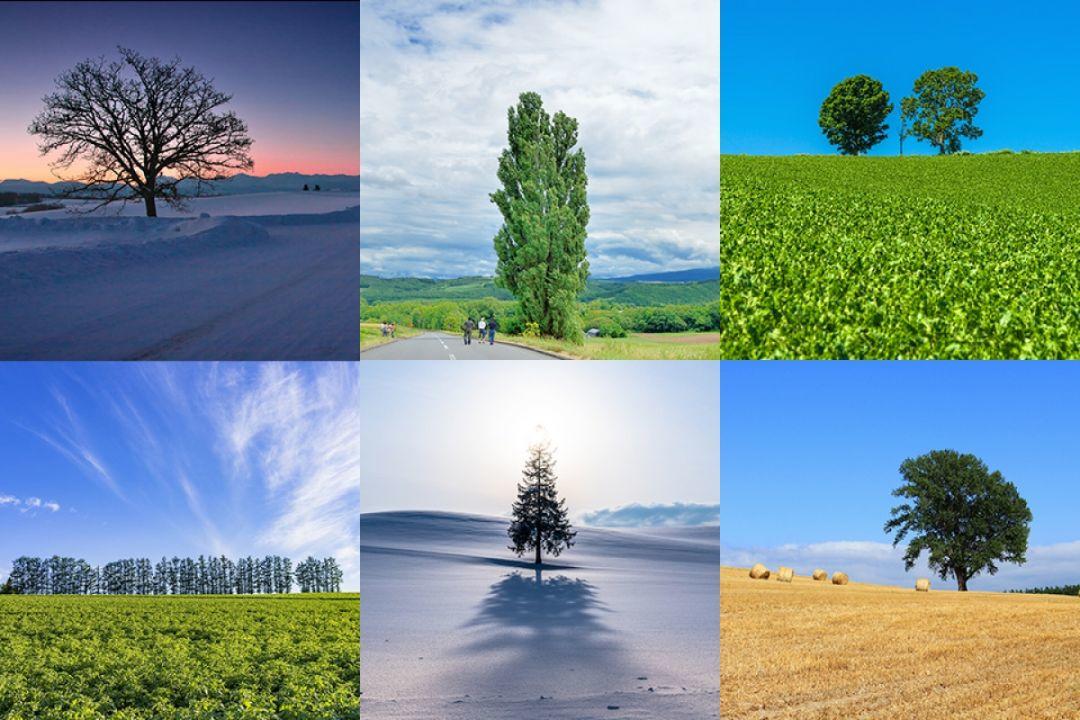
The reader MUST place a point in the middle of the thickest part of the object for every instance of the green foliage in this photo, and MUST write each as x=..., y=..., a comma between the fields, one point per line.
x=613, y=320
x=967, y=518
x=541, y=244
x=943, y=108
x=376, y=290
x=180, y=658
x=853, y=115
x=886, y=258
x=531, y=329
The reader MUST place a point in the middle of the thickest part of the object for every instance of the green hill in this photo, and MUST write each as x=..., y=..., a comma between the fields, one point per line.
x=639, y=294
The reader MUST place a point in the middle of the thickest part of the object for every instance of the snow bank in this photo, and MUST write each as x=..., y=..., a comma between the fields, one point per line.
x=43, y=248
x=270, y=203
x=624, y=624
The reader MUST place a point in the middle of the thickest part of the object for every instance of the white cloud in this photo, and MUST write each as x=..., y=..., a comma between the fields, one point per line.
x=33, y=502
x=296, y=428
x=29, y=505
x=8, y=500
x=878, y=562
x=52, y=507
x=641, y=77
x=671, y=515
x=67, y=436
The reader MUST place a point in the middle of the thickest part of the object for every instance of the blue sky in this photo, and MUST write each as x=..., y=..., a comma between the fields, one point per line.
x=810, y=454
x=780, y=59
x=436, y=80
x=454, y=436
x=104, y=461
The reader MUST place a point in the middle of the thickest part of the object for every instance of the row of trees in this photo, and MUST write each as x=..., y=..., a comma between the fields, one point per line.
x=941, y=110
x=612, y=319
x=179, y=576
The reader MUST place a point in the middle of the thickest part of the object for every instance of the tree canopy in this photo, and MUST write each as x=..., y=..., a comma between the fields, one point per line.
x=943, y=107
x=541, y=244
x=853, y=115
x=967, y=518
x=139, y=127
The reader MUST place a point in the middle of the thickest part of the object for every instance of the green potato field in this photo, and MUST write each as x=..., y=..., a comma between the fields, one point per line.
x=971, y=256
x=287, y=657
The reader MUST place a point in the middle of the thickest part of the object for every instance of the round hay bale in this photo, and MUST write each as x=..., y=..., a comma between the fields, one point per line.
x=922, y=585
x=839, y=578
x=820, y=574
x=759, y=572
x=784, y=574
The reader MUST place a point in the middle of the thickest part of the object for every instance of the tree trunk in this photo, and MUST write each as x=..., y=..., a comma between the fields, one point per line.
x=151, y=205
x=961, y=581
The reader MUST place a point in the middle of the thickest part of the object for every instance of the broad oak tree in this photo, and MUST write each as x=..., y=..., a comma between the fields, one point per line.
x=541, y=244
x=140, y=129
x=967, y=518
x=539, y=516
x=943, y=108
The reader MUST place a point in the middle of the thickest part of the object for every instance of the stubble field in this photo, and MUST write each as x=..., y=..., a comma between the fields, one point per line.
x=814, y=650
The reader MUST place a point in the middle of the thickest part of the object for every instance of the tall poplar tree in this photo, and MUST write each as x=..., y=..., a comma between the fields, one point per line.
x=540, y=518
x=541, y=244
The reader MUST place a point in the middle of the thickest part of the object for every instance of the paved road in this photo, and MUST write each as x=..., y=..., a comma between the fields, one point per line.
x=443, y=346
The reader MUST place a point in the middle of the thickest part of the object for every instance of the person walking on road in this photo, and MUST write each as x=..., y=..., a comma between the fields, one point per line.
x=467, y=327
x=493, y=325
x=481, y=325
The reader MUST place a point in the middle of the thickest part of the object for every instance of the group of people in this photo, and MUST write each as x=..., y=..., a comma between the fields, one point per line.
x=483, y=327
x=388, y=329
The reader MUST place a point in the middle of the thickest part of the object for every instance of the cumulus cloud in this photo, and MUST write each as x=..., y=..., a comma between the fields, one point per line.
x=673, y=515
x=878, y=562
x=641, y=77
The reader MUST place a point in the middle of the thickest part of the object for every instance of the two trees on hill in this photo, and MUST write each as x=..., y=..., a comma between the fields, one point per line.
x=941, y=111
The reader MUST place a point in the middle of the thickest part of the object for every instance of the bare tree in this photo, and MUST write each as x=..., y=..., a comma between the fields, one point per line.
x=138, y=128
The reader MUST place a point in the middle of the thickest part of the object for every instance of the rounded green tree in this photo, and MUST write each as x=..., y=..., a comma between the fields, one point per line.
x=966, y=517
x=853, y=115
x=943, y=108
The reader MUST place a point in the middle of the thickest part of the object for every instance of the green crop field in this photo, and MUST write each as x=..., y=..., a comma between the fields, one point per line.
x=275, y=657
x=904, y=257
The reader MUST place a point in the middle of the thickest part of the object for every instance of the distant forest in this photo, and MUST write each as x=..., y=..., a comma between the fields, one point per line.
x=375, y=290
x=178, y=576
x=1051, y=590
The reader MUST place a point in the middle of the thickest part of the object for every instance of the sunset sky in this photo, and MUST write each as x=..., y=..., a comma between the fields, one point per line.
x=292, y=69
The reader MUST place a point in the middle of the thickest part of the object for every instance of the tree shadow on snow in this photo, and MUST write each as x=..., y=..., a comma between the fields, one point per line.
x=527, y=618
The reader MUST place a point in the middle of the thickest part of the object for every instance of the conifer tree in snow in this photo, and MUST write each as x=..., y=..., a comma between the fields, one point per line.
x=540, y=521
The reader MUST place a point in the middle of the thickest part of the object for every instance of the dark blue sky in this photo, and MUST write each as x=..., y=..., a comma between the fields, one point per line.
x=293, y=69
x=779, y=60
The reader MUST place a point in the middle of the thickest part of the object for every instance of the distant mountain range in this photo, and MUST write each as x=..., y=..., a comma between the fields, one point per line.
x=677, y=276
x=241, y=184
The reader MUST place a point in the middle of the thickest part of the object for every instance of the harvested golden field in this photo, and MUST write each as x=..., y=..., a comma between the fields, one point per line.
x=817, y=650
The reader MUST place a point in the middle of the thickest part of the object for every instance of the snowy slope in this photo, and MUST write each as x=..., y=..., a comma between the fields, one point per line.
x=269, y=286
x=266, y=203
x=623, y=625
